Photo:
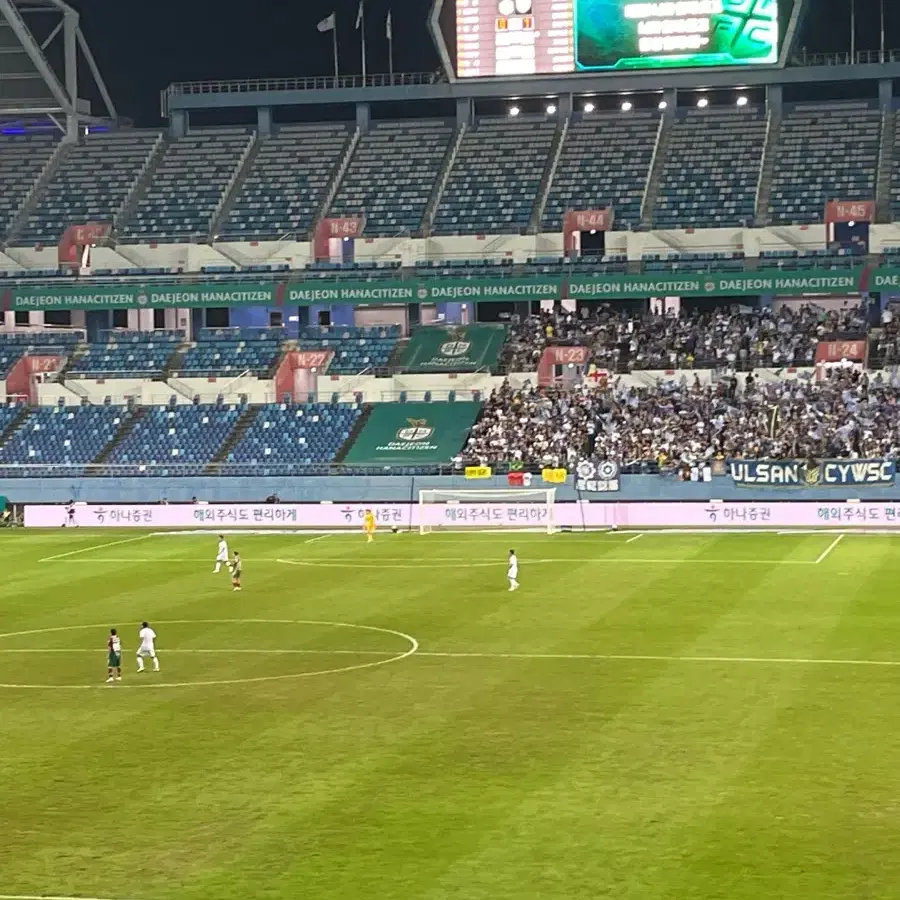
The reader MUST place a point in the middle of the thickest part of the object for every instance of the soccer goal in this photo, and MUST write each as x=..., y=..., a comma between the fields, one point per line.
x=523, y=509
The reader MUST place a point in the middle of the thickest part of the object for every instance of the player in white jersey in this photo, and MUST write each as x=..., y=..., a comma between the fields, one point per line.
x=147, y=647
x=513, y=571
x=221, y=554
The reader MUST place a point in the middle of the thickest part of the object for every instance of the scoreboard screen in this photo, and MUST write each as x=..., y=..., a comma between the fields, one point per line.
x=503, y=38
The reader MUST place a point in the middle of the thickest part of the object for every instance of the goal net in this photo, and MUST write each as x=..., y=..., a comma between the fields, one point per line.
x=523, y=509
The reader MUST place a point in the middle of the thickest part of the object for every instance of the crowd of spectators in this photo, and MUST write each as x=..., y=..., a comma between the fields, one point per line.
x=725, y=338
x=849, y=414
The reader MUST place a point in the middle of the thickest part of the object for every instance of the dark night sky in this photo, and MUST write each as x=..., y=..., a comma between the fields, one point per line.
x=141, y=47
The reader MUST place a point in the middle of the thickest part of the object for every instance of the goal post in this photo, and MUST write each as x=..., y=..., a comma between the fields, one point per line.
x=528, y=509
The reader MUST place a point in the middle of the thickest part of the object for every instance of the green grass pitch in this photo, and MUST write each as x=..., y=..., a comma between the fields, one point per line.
x=651, y=716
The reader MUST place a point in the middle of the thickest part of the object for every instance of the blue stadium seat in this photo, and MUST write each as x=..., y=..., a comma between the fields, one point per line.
x=69, y=436
x=286, y=182
x=15, y=345
x=142, y=353
x=188, y=187
x=91, y=184
x=392, y=175
x=604, y=162
x=300, y=435
x=825, y=152
x=22, y=159
x=355, y=347
x=172, y=435
x=231, y=351
x=495, y=178
x=712, y=168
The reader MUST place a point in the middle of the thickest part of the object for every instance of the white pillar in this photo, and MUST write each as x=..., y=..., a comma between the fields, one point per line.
x=36, y=317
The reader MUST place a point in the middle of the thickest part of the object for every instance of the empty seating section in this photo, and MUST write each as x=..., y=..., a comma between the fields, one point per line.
x=22, y=159
x=824, y=153
x=8, y=415
x=187, y=187
x=895, y=179
x=146, y=359
x=391, y=176
x=14, y=346
x=355, y=347
x=178, y=434
x=63, y=435
x=712, y=168
x=302, y=435
x=91, y=183
x=232, y=351
x=495, y=178
x=605, y=161
x=286, y=182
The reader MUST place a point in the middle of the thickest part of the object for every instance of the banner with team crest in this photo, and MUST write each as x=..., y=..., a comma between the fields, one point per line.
x=796, y=473
x=597, y=476
x=464, y=348
x=410, y=433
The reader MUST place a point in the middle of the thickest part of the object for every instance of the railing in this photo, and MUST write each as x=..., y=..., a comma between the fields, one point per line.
x=501, y=267
x=276, y=470
x=860, y=58
x=315, y=83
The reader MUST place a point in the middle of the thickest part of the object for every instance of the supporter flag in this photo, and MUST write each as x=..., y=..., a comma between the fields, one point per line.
x=359, y=15
x=554, y=476
x=478, y=472
x=519, y=479
x=328, y=23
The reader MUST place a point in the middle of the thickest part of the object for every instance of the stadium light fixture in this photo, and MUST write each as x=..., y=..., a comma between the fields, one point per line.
x=551, y=109
x=514, y=110
x=589, y=107
x=627, y=106
x=702, y=103
x=742, y=100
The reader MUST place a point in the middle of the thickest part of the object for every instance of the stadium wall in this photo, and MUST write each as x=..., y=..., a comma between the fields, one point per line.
x=191, y=258
x=395, y=488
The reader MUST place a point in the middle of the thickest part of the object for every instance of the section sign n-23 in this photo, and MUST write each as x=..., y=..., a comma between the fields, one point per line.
x=825, y=473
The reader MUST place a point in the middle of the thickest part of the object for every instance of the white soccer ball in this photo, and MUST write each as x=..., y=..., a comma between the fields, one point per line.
x=615, y=527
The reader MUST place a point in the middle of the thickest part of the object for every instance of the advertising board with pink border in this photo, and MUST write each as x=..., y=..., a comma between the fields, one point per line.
x=473, y=515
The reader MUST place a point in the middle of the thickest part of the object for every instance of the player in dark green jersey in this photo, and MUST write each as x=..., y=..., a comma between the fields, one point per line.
x=114, y=656
x=236, y=571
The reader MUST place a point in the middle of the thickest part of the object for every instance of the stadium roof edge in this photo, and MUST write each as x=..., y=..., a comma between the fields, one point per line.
x=217, y=95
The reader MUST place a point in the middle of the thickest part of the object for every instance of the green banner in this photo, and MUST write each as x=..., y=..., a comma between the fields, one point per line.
x=409, y=433
x=721, y=284
x=357, y=293
x=442, y=290
x=462, y=349
x=111, y=296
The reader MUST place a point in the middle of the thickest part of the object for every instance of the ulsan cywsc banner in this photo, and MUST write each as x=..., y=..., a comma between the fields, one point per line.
x=795, y=473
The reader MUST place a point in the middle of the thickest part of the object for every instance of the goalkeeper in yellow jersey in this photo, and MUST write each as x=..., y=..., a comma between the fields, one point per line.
x=369, y=525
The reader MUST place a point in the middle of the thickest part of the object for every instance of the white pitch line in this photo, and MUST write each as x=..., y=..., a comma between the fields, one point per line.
x=320, y=537
x=637, y=537
x=47, y=897
x=464, y=654
x=440, y=562
x=164, y=652
x=618, y=657
x=827, y=551
x=461, y=562
x=133, y=540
